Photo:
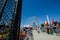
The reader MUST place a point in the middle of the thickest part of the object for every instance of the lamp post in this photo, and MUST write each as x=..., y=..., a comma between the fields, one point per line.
x=48, y=19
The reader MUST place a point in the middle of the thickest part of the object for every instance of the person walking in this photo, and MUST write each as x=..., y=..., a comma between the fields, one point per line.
x=38, y=29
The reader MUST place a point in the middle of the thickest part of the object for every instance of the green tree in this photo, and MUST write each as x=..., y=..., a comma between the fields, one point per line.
x=59, y=23
x=42, y=25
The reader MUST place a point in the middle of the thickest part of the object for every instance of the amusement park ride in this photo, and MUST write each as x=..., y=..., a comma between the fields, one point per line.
x=10, y=14
x=52, y=27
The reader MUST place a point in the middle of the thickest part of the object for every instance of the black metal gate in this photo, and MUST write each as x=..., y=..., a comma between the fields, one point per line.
x=10, y=18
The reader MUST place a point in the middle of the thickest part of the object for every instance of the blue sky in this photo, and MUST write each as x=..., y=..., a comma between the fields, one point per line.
x=40, y=8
